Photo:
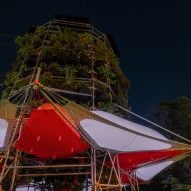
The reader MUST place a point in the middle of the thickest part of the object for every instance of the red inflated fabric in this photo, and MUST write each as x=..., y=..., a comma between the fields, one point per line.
x=130, y=161
x=48, y=134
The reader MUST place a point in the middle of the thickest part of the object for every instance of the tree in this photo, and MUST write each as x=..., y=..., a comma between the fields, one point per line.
x=77, y=57
x=176, y=116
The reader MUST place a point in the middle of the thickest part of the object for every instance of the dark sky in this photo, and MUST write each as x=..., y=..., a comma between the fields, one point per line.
x=154, y=38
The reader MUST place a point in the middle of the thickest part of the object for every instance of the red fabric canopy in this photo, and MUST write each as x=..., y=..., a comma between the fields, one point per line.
x=48, y=134
x=130, y=161
x=134, y=159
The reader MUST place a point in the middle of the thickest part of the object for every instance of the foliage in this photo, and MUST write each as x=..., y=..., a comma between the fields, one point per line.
x=69, y=54
x=176, y=116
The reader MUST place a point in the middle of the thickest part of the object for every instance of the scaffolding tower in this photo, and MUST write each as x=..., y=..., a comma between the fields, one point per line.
x=16, y=166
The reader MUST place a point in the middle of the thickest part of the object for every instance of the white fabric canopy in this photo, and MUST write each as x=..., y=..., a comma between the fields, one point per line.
x=146, y=173
x=3, y=131
x=113, y=138
x=129, y=124
x=27, y=189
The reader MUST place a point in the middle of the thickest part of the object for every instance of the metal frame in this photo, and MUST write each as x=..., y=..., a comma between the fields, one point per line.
x=95, y=169
x=102, y=162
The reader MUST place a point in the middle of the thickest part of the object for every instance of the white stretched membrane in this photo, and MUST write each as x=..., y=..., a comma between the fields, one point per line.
x=26, y=188
x=3, y=131
x=146, y=173
x=113, y=138
x=129, y=124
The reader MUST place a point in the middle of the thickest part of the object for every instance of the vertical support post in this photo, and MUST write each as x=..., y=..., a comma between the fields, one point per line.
x=16, y=162
x=93, y=169
x=92, y=71
x=4, y=166
x=37, y=74
x=102, y=166
x=95, y=165
x=37, y=77
x=40, y=54
x=119, y=173
x=87, y=183
x=108, y=80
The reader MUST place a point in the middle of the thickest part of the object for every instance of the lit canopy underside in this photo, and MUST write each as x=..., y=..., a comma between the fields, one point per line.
x=3, y=131
x=114, y=138
x=122, y=135
x=146, y=173
x=129, y=124
x=7, y=117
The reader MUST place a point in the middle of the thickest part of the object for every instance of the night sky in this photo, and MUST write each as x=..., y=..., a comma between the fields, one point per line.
x=154, y=39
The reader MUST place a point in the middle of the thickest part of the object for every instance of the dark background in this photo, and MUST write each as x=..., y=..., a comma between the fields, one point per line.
x=154, y=39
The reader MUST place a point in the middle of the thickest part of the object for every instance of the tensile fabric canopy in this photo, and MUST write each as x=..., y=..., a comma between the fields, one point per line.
x=7, y=121
x=51, y=133
x=145, y=165
x=137, y=145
